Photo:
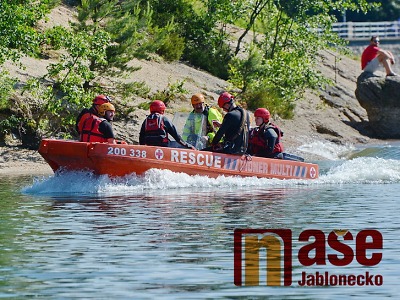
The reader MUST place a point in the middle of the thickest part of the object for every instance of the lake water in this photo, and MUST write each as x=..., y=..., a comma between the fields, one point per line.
x=170, y=236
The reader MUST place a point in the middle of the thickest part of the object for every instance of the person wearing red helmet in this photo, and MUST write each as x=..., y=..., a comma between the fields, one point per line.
x=156, y=127
x=265, y=139
x=93, y=110
x=98, y=128
x=234, y=128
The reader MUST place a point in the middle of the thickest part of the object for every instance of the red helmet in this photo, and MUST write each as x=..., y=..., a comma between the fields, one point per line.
x=101, y=99
x=225, y=97
x=157, y=106
x=263, y=113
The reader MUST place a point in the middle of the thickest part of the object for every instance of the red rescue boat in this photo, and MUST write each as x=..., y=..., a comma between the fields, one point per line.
x=122, y=159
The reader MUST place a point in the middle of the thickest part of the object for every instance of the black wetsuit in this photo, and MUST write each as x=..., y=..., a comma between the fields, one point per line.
x=235, y=137
x=105, y=128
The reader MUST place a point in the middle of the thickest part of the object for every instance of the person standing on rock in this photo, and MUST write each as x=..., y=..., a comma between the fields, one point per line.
x=373, y=56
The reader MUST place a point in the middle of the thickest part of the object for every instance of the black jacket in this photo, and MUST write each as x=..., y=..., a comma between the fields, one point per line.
x=235, y=131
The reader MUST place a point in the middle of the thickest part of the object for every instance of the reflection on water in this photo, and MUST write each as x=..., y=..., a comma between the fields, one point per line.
x=170, y=236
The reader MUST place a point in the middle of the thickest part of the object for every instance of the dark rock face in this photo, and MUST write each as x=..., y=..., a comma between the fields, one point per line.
x=380, y=97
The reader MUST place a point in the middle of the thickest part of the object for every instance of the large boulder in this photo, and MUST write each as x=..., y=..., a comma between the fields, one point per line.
x=380, y=97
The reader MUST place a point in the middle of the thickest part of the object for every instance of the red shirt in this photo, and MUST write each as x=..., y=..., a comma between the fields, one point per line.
x=369, y=54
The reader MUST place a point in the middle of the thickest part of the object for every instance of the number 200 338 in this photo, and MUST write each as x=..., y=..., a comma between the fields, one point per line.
x=123, y=151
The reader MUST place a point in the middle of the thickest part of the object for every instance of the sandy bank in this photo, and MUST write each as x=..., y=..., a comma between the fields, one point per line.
x=17, y=161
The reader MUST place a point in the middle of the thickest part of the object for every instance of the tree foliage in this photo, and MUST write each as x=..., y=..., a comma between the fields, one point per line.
x=388, y=10
x=18, y=37
x=95, y=49
x=280, y=63
x=17, y=27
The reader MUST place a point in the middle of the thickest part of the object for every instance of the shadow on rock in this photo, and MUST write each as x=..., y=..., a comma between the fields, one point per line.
x=380, y=97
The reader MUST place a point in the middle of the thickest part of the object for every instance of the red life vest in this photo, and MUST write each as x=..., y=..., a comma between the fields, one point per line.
x=89, y=128
x=82, y=121
x=155, y=133
x=259, y=143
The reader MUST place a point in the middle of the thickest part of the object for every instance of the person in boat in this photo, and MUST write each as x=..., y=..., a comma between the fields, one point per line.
x=93, y=110
x=156, y=127
x=234, y=128
x=373, y=56
x=98, y=128
x=265, y=139
x=200, y=126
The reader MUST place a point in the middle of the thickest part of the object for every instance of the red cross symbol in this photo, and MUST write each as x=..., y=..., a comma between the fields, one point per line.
x=313, y=172
x=159, y=154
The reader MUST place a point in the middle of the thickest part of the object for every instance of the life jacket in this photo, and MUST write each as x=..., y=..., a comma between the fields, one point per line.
x=89, y=129
x=206, y=112
x=259, y=143
x=198, y=126
x=81, y=120
x=208, y=123
x=197, y=123
x=85, y=113
x=155, y=133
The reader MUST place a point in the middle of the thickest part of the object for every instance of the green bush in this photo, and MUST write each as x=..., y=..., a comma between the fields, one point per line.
x=171, y=92
x=7, y=124
x=6, y=88
x=268, y=99
x=205, y=58
x=172, y=47
x=137, y=88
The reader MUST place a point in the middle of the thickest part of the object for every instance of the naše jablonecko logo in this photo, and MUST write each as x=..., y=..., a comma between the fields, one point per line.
x=338, y=248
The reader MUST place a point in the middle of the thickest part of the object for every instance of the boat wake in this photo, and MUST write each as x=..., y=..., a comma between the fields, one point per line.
x=360, y=170
x=363, y=170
